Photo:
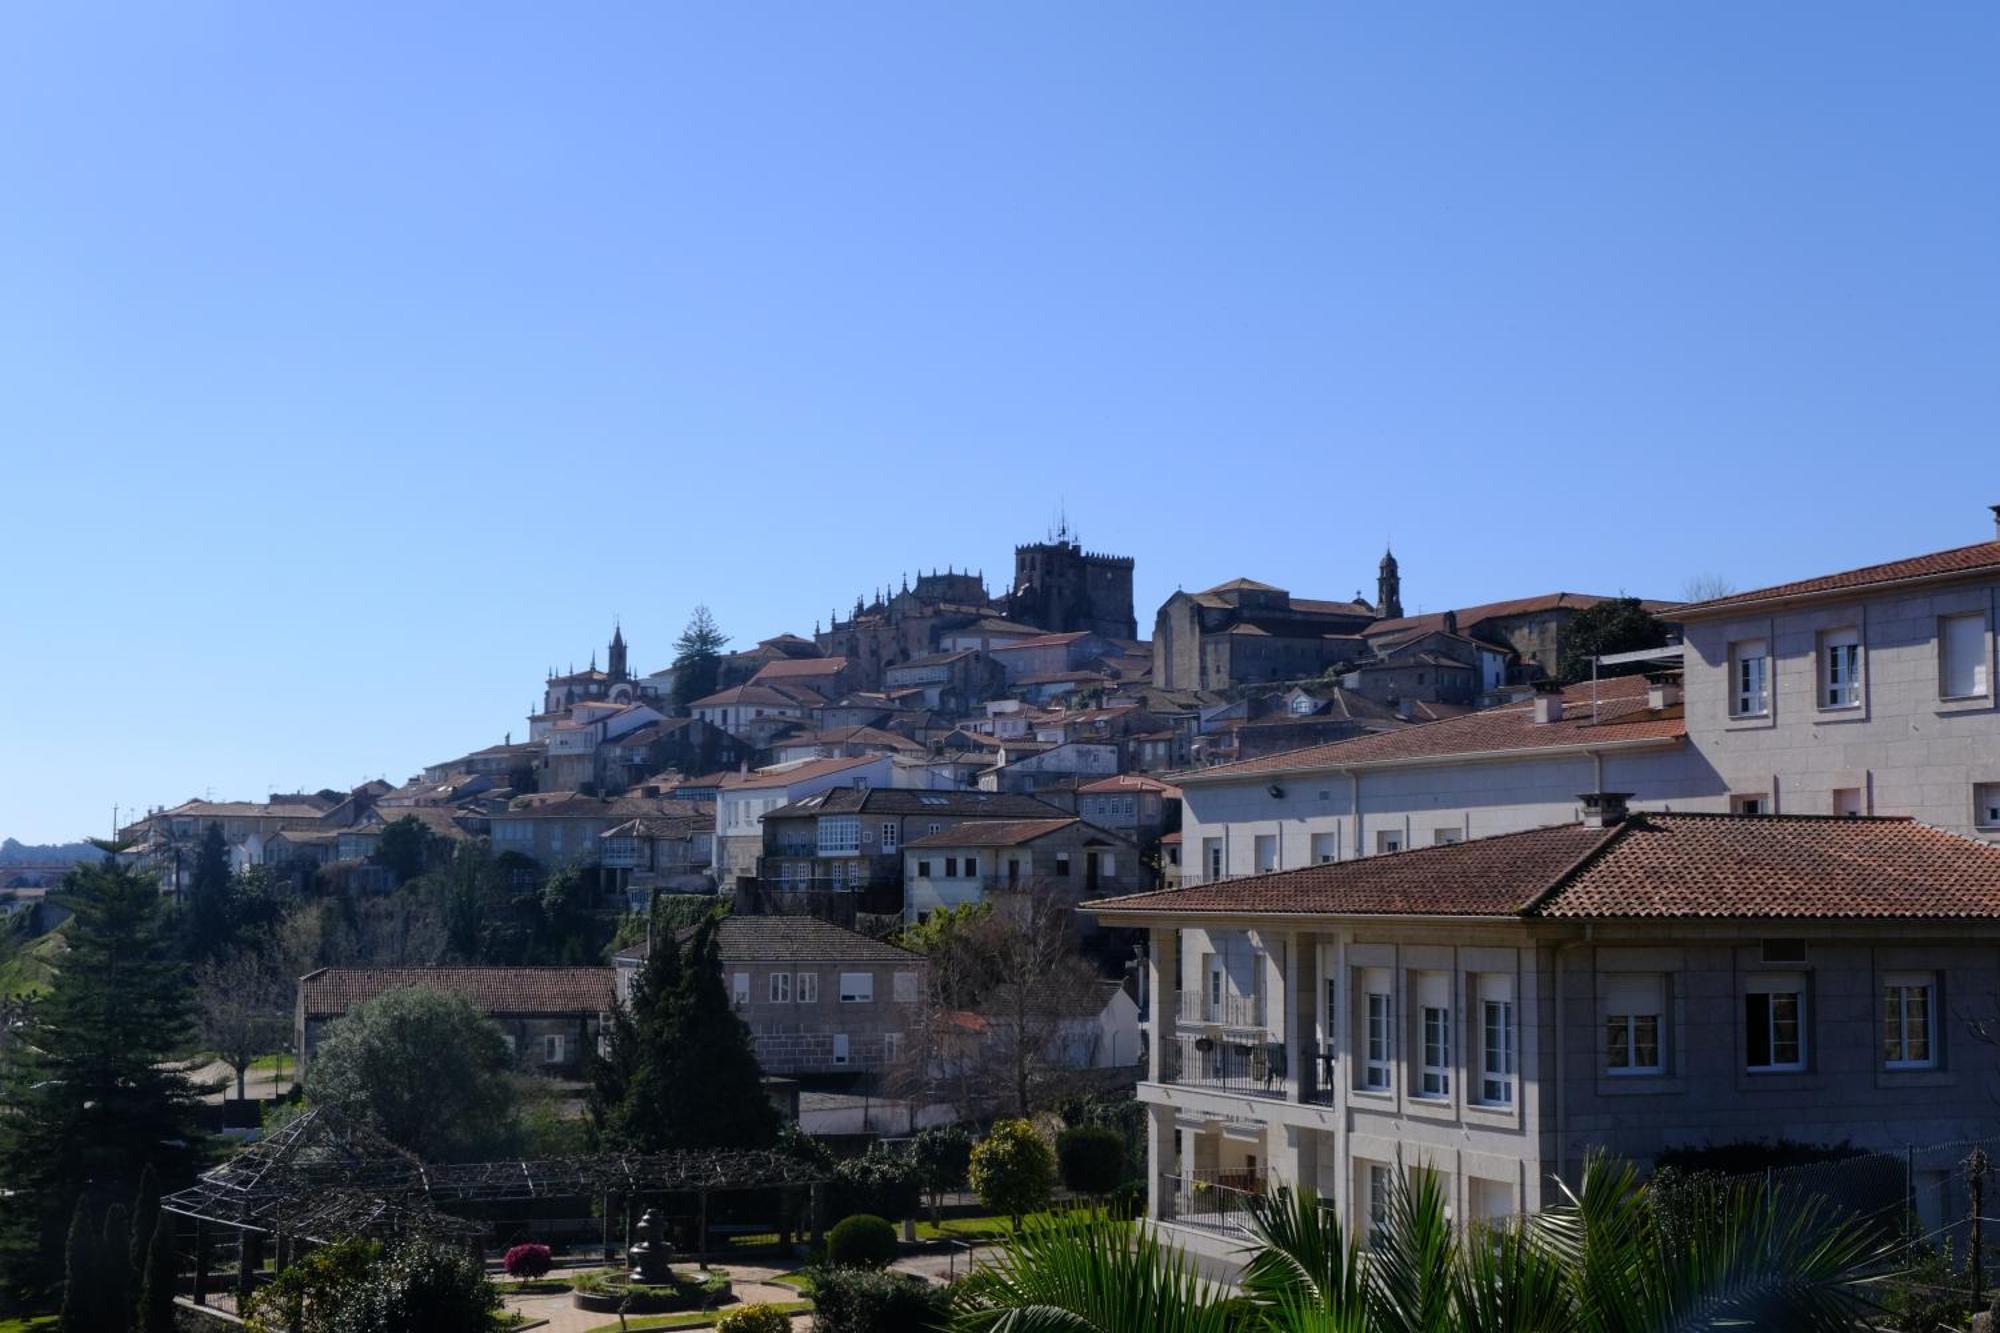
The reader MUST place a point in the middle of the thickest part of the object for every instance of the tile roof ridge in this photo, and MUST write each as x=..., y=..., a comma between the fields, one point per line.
x=1613, y=835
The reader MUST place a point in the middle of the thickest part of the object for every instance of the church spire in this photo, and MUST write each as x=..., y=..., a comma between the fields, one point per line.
x=1389, y=588
x=617, y=662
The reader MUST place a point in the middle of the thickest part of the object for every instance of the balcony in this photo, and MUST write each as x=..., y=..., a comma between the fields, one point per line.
x=1198, y=1009
x=1246, y=1067
x=1223, y=1200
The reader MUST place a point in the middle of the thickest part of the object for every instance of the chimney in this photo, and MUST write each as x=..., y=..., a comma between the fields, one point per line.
x=1451, y=622
x=1548, y=701
x=1604, y=809
x=1662, y=691
x=1996, y=521
x=1406, y=709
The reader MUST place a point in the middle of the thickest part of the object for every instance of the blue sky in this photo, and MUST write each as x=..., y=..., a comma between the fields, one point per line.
x=358, y=364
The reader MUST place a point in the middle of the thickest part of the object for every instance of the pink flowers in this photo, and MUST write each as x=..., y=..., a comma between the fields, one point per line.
x=528, y=1261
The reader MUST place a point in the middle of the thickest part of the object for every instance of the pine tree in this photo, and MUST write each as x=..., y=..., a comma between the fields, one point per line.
x=80, y=1311
x=156, y=1292
x=697, y=658
x=205, y=924
x=93, y=1095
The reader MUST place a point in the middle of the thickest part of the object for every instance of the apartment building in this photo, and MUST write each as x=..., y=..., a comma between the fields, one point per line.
x=1495, y=1009
x=1870, y=691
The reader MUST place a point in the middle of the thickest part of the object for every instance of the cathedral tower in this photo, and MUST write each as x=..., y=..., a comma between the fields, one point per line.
x=616, y=666
x=1389, y=589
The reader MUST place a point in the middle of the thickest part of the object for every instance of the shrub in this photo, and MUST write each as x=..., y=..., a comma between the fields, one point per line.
x=1012, y=1169
x=863, y=1300
x=1092, y=1159
x=754, y=1319
x=861, y=1241
x=881, y=1181
x=422, y=1286
x=529, y=1261
x=943, y=1154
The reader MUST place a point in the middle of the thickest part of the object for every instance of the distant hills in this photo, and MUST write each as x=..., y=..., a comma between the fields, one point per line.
x=16, y=853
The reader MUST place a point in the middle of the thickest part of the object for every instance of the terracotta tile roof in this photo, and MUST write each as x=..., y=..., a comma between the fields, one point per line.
x=573, y=805
x=1128, y=782
x=1621, y=714
x=1816, y=866
x=954, y=804
x=1468, y=616
x=1242, y=585
x=332, y=991
x=983, y=834
x=1314, y=606
x=801, y=939
x=784, y=775
x=1751, y=867
x=798, y=668
x=887, y=740
x=1979, y=558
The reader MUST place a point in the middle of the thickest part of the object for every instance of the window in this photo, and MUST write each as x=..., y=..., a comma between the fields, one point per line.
x=739, y=990
x=972, y=867
x=1840, y=668
x=857, y=987
x=781, y=988
x=1211, y=857
x=554, y=1048
x=808, y=988
x=1388, y=841
x=951, y=867
x=1267, y=853
x=1378, y=1198
x=1962, y=656
x=1774, y=1012
x=1986, y=805
x=1496, y=1039
x=1013, y=870
x=1635, y=1013
x=1109, y=864
x=1909, y=1033
x=1847, y=800
x=1434, y=1034
x=1378, y=1031
x=1758, y=804
x=892, y=1047
x=1445, y=837
x=888, y=837
x=923, y=870
x=934, y=828
x=1062, y=865
x=905, y=984
x=1325, y=848
x=840, y=1048
x=1750, y=678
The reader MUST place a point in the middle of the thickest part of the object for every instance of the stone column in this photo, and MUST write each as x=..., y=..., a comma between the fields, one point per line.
x=1160, y=1134
x=1164, y=997
x=1299, y=1046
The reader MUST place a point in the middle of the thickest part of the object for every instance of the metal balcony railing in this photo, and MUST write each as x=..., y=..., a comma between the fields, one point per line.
x=1220, y=1200
x=1254, y=1068
x=1239, y=1011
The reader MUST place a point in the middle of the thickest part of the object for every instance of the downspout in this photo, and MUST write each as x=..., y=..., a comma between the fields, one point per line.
x=1562, y=1045
x=1354, y=813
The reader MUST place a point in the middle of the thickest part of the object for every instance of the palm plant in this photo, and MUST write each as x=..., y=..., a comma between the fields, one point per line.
x=1602, y=1260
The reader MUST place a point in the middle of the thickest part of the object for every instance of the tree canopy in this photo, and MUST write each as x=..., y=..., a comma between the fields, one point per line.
x=91, y=1081
x=1616, y=625
x=697, y=658
x=425, y=1069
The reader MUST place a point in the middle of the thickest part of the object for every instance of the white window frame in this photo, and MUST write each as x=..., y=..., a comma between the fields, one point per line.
x=1986, y=806
x=1499, y=1040
x=1388, y=841
x=1633, y=1021
x=807, y=988
x=1979, y=683
x=1792, y=985
x=888, y=837
x=1325, y=848
x=841, y=1050
x=1264, y=849
x=857, y=987
x=1840, y=668
x=1434, y=1045
x=739, y=990
x=1377, y=1012
x=892, y=1047
x=1377, y=1180
x=1898, y=1030
x=1750, y=685
x=554, y=1048
x=781, y=988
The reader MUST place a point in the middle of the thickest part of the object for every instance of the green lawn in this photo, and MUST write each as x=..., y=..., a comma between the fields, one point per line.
x=692, y=1319
x=37, y=1323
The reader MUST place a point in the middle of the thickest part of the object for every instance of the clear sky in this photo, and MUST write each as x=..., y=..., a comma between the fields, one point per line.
x=359, y=362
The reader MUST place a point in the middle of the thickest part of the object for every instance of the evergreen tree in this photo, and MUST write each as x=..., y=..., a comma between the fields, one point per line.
x=208, y=916
x=1617, y=625
x=680, y=1071
x=93, y=1095
x=114, y=1266
x=156, y=1290
x=80, y=1312
x=697, y=658
x=145, y=1216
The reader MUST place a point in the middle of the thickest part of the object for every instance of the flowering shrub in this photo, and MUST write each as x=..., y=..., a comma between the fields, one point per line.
x=528, y=1261
x=754, y=1319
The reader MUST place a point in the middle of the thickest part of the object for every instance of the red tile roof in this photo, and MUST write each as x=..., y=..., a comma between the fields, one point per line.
x=332, y=991
x=787, y=774
x=1753, y=867
x=1128, y=782
x=993, y=834
x=1040, y=641
x=798, y=668
x=1620, y=714
x=1979, y=558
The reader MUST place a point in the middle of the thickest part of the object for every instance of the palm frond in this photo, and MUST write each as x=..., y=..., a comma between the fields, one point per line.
x=1411, y=1258
x=1083, y=1273
x=1305, y=1260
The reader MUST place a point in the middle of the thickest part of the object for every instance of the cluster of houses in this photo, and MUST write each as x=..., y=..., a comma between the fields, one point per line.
x=1407, y=903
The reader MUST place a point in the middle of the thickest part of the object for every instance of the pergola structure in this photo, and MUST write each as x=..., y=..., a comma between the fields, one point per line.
x=322, y=1178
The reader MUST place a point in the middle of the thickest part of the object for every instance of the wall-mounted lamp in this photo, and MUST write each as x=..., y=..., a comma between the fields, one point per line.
x=1277, y=792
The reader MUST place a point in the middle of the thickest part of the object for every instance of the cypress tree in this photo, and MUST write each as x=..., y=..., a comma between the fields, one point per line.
x=93, y=1095
x=80, y=1312
x=156, y=1293
x=719, y=1100
x=114, y=1267
x=206, y=923
x=145, y=1216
